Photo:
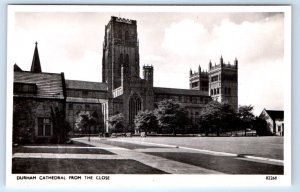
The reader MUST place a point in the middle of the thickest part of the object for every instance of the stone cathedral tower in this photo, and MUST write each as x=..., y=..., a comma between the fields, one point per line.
x=223, y=82
x=128, y=93
x=220, y=82
x=120, y=47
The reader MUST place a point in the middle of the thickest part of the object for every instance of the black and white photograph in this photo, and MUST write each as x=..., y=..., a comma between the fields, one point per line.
x=100, y=93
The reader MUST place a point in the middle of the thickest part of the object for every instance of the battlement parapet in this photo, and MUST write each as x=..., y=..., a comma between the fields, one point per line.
x=222, y=64
x=203, y=73
x=228, y=66
x=147, y=67
x=123, y=20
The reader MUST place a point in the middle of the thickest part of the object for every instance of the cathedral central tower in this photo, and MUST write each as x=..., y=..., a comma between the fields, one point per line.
x=120, y=48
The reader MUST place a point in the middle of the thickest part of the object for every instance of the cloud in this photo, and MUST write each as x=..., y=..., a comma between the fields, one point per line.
x=184, y=37
x=250, y=41
x=257, y=43
x=88, y=65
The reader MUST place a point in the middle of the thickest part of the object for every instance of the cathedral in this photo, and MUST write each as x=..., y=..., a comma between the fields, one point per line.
x=39, y=96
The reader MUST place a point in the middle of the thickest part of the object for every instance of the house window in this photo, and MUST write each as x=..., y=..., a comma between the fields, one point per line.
x=44, y=127
x=71, y=106
x=87, y=107
x=25, y=88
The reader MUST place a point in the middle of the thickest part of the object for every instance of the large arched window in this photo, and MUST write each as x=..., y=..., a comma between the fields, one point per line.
x=135, y=105
x=121, y=59
x=120, y=33
x=126, y=37
x=127, y=59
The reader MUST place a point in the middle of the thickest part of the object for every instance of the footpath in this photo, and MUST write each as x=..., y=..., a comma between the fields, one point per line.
x=166, y=165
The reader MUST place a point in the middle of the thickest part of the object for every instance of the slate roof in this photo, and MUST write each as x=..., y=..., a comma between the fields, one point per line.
x=49, y=85
x=86, y=85
x=275, y=114
x=172, y=91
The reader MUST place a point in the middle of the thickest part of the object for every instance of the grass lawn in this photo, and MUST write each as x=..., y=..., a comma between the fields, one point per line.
x=270, y=147
x=22, y=149
x=80, y=166
x=225, y=164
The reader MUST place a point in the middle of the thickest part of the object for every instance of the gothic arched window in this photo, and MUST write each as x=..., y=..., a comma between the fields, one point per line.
x=120, y=33
x=127, y=59
x=126, y=37
x=121, y=59
x=135, y=105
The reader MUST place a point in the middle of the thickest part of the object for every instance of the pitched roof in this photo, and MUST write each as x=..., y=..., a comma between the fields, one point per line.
x=36, y=65
x=87, y=85
x=171, y=91
x=49, y=85
x=275, y=114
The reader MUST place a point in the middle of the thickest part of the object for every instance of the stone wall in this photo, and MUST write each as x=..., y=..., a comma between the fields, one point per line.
x=26, y=112
x=72, y=115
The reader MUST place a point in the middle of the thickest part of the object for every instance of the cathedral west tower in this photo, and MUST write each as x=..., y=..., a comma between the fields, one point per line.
x=223, y=82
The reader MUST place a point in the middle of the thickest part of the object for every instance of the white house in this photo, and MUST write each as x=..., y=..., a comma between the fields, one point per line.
x=275, y=121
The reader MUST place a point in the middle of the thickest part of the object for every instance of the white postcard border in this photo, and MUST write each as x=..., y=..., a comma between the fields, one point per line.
x=117, y=181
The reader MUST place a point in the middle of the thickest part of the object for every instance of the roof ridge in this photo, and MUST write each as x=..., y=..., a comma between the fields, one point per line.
x=38, y=73
x=84, y=81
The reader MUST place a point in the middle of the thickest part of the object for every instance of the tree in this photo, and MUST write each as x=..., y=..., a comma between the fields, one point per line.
x=116, y=123
x=261, y=127
x=83, y=121
x=145, y=121
x=171, y=116
x=246, y=116
x=60, y=126
x=217, y=117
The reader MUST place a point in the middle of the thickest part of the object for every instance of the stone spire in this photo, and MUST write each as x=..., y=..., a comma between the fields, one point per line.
x=36, y=65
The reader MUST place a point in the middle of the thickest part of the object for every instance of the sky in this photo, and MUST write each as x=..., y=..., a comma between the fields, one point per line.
x=173, y=42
